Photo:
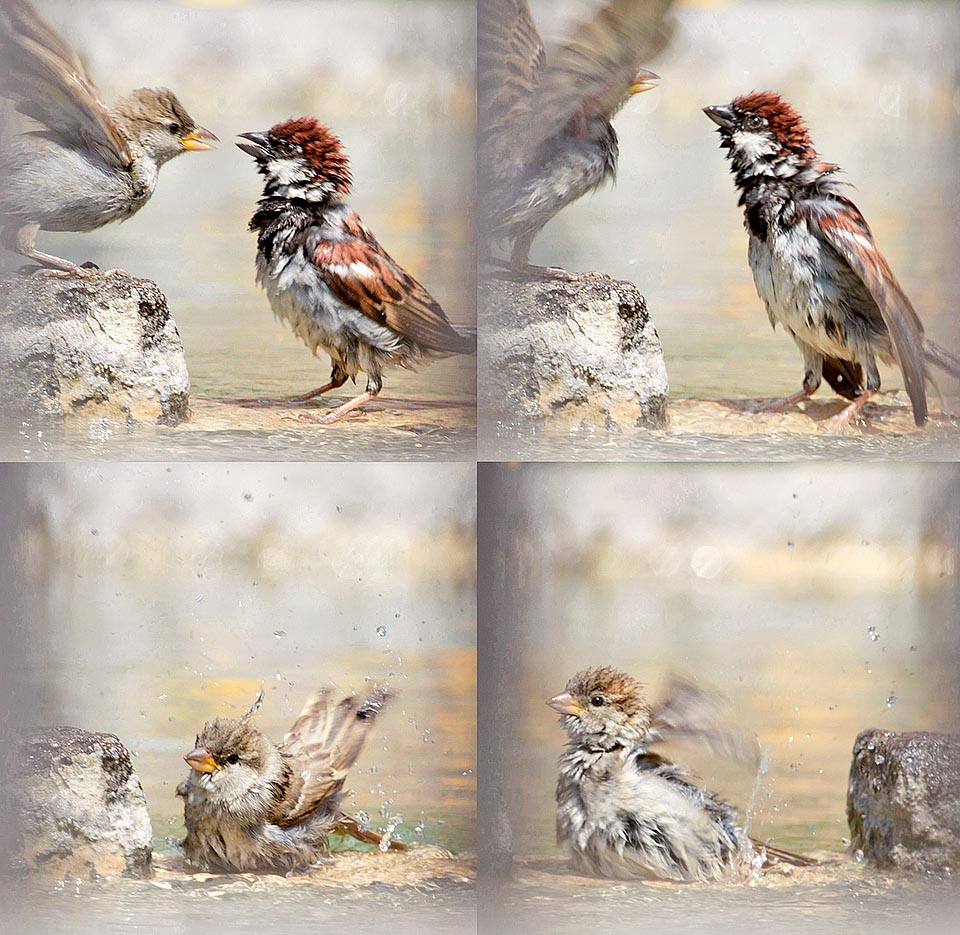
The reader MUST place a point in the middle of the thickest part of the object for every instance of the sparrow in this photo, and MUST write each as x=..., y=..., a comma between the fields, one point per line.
x=545, y=136
x=87, y=164
x=251, y=804
x=626, y=812
x=325, y=273
x=815, y=263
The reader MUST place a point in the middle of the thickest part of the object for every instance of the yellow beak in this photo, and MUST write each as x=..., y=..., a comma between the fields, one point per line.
x=566, y=704
x=195, y=140
x=642, y=81
x=201, y=761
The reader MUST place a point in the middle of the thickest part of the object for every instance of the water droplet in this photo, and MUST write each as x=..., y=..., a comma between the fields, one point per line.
x=891, y=700
x=381, y=631
x=161, y=698
x=858, y=855
x=873, y=633
x=279, y=634
x=789, y=544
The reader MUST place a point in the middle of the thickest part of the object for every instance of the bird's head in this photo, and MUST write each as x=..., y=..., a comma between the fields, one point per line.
x=763, y=135
x=156, y=119
x=231, y=758
x=300, y=159
x=603, y=709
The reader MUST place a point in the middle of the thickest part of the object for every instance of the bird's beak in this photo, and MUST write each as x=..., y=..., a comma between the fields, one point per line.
x=722, y=116
x=201, y=761
x=642, y=81
x=566, y=704
x=198, y=139
x=258, y=145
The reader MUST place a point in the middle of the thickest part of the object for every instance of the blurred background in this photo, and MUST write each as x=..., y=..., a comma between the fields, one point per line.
x=820, y=601
x=155, y=598
x=393, y=78
x=877, y=83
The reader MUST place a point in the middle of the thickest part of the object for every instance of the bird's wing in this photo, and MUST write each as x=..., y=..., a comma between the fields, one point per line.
x=590, y=74
x=47, y=82
x=849, y=234
x=692, y=714
x=510, y=60
x=364, y=276
x=321, y=748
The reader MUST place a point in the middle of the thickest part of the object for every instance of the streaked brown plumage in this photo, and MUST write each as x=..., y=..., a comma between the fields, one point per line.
x=325, y=273
x=545, y=136
x=250, y=804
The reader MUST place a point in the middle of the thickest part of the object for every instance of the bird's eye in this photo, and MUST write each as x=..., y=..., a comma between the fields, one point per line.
x=233, y=758
x=754, y=122
x=597, y=701
x=174, y=128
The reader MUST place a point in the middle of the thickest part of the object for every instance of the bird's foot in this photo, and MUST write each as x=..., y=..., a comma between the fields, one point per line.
x=778, y=405
x=535, y=274
x=842, y=422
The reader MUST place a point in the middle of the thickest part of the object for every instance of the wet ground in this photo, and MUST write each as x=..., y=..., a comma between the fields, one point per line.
x=737, y=430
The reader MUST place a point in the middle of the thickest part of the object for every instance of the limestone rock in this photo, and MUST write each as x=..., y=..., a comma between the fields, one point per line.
x=903, y=800
x=583, y=353
x=82, y=811
x=104, y=347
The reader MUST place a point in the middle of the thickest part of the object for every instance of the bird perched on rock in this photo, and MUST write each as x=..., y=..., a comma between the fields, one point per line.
x=626, y=812
x=544, y=128
x=325, y=273
x=251, y=804
x=815, y=263
x=87, y=164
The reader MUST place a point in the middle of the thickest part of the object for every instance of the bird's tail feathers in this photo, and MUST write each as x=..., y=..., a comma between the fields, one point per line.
x=349, y=826
x=942, y=358
x=779, y=855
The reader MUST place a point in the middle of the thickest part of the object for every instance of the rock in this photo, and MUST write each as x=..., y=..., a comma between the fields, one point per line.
x=104, y=347
x=82, y=811
x=903, y=800
x=583, y=353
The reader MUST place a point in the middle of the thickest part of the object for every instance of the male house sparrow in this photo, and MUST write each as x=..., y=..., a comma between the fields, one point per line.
x=815, y=263
x=250, y=804
x=545, y=136
x=626, y=812
x=89, y=164
x=325, y=273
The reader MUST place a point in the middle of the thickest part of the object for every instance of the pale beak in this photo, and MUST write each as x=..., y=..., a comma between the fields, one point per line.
x=566, y=704
x=201, y=761
x=195, y=141
x=721, y=116
x=642, y=81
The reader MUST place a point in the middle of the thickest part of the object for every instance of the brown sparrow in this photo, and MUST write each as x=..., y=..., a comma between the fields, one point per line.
x=88, y=164
x=325, y=273
x=815, y=263
x=544, y=129
x=626, y=812
x=250, y=804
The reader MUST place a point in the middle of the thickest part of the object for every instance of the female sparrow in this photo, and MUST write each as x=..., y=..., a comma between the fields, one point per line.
x=545, y=131
x=325, y=273
x=815, y=263
x=250, y=804
x=626, y=812
x=88, y=165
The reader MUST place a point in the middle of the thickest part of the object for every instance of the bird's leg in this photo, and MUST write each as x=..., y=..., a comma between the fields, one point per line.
x=337, y=378
x=839, y=425
x=812, y=378
x=23, y=240
x=374, y=385
x=520, y=261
